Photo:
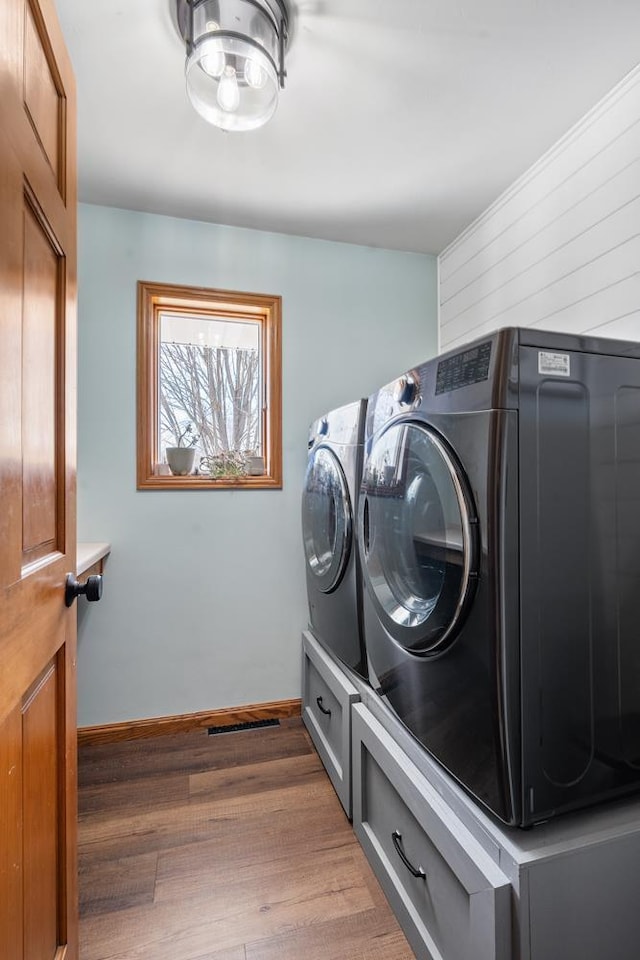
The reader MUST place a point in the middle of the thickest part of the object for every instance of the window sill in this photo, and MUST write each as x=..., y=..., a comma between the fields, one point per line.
x=206, y=483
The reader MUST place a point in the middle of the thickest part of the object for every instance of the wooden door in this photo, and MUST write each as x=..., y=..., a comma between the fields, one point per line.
x=38, y=913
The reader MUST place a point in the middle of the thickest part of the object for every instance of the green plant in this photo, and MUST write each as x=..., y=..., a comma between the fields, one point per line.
x=227, y=463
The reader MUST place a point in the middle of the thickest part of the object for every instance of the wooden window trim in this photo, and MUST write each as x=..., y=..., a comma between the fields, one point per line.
x=154, y=298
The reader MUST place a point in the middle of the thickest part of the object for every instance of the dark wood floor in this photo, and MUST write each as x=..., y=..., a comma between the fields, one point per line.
x=227, y=847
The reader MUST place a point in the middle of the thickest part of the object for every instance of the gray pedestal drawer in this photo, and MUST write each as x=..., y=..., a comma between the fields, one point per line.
x=450, y=897
x=327, y=696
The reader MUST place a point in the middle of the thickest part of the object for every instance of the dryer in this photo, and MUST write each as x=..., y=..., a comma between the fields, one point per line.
x=499, y=530
x=329, y=501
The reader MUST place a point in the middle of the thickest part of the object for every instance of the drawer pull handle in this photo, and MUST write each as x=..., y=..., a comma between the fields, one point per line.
x=322, y=709
x=396, y=836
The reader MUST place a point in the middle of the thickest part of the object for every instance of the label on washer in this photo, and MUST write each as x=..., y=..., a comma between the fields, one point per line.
x=554, y=364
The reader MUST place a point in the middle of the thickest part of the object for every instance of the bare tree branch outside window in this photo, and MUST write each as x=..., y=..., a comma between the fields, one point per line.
x=217, y=390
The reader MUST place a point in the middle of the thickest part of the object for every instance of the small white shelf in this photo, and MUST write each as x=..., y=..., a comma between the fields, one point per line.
x=89, y=553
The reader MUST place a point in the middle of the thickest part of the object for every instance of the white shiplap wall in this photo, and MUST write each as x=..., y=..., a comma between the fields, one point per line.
x=560, y=249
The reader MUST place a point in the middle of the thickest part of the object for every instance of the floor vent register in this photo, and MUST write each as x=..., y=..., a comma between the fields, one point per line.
x=249, y=725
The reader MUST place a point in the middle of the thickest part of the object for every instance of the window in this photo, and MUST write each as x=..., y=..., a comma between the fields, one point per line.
x=209, y=389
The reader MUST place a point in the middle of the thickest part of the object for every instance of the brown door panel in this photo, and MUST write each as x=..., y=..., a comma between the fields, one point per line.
x=38, y=789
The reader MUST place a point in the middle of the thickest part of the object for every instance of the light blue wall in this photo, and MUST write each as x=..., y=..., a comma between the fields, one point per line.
x=204, y=594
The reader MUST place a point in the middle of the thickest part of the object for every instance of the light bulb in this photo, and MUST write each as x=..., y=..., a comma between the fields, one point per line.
x=212, y=63
x=254, y=74
x=228, y=93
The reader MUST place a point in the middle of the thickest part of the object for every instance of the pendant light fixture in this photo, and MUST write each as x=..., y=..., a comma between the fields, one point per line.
x=235, y=58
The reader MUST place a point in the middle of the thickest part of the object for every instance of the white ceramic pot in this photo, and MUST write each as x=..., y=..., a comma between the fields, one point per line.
x=180, y=460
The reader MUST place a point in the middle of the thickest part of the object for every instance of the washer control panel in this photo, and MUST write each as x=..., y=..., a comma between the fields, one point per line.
x=464, y=368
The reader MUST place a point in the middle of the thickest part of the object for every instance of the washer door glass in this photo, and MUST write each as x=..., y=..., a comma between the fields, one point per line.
x=417, y=536
x=326, y=519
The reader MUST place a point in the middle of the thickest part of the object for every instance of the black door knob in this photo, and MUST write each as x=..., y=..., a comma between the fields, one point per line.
x=91, y=588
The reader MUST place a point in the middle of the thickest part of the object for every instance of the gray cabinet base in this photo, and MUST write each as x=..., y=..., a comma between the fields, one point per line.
x=327, y=695
x=451, y=900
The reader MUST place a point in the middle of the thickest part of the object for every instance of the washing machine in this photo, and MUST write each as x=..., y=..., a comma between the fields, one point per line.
x=329, y=501
x=499, y=532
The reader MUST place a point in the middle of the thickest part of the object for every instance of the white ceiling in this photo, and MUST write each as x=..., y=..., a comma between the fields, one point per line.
x=391, y=133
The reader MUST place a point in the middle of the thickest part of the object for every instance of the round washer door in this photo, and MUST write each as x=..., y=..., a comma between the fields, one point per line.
x=326, y=519
x=417, y=535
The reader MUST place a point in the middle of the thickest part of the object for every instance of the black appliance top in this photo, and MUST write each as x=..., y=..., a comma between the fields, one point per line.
x=484, y=374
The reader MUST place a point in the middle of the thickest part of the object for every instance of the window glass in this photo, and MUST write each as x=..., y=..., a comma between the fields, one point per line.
x=210, y=385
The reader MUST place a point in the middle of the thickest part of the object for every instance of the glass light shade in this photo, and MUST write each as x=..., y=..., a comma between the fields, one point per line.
x=244, y=95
